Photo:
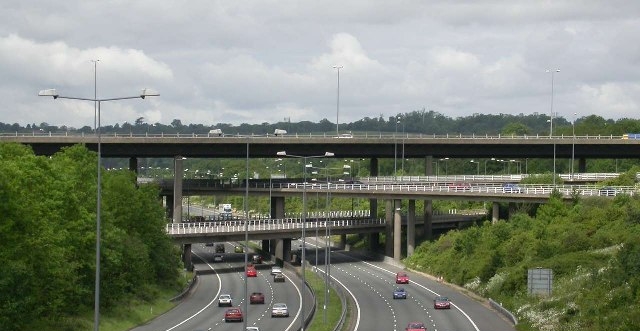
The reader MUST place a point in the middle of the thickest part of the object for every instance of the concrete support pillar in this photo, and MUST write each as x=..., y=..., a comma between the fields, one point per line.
x=133, y=164
x=397, y=230
x=265, y=247
x=582, y=165
x=388, y=233
x=343, y=241
x=178, y=171
x=495, y=215
x=374, y=242
x=169, y=206
x=411, y=227
x=277, y=207
x=428, y=219
x=428, y=165
x=186, y=257
x=282, y=251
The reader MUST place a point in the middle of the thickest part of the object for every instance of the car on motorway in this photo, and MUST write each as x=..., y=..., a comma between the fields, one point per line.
x=256, y=259
x=276, y=270
x=225, y=300
x=219, y=248
x=233, y=314
x=209, y=244
x=278, y=278
x=402, y=278
x=441, y=302
x=252, y=328
x=415, y=326
x=238, y=249
x=399, y=293
x=511, y=188
x=279, y=310
x=218, y=258
x=252, y=272
x=256, y=297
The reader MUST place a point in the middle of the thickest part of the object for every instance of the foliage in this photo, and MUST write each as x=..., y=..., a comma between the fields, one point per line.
x=48, y=233
x=592, y=246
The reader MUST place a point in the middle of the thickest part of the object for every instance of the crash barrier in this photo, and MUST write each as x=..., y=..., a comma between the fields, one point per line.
x=503, y=311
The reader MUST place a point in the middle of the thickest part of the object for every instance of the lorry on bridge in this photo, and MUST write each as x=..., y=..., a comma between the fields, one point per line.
x=225, y=211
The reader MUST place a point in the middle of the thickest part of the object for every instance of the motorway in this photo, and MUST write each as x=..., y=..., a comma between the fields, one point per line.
x=370, y=282
x=200, y=311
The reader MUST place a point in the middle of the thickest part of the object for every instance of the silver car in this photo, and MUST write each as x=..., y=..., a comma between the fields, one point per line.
x=280, y=310
x=225, y=300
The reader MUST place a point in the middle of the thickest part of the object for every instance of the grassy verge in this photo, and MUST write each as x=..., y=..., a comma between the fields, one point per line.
x=324, y=320
x=136, y=313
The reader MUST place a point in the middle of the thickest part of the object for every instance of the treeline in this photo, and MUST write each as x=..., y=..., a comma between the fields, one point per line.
x=591, y=245
x=424, y=122
x=48, y=240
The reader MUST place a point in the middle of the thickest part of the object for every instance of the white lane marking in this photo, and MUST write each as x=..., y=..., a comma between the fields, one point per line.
x=435, y=293
x=210, y=302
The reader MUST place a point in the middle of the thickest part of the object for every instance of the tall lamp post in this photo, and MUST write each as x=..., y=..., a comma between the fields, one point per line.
x=304, y=222
x=246, y=238
x=338, y=67
x=395, y=150
x=143, y=94
x=552, y=71
x=573, y=142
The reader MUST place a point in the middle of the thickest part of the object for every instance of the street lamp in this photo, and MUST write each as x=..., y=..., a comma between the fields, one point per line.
x=338, y=102
x=304, y=222
x=143, y=94
x=551, y=125
x=573, y=142
x=246, y=237
x=395, y=150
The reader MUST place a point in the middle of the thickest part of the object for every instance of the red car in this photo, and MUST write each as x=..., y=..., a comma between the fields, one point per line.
x=233, y=314
x=402, y=278
x=252, y=272
x=441, y=303
x=256, y=297
x=415, y=326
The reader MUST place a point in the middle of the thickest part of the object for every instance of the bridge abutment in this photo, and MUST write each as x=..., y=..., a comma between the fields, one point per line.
x=411, y=227
x=186, y=257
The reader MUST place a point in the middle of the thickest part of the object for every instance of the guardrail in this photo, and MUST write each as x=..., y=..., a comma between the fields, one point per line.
x=263, y=225
x=364, y=135
x=503, y=311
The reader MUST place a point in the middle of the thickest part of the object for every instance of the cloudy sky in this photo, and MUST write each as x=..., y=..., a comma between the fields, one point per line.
x=221, y=61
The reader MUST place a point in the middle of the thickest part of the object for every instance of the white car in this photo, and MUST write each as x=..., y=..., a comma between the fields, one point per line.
x=276, y=270
x=280, y=309
x=225, y=300
x=252, y=328
x=218, y=258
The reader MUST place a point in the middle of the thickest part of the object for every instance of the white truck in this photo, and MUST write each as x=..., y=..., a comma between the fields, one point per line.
x=225, y=211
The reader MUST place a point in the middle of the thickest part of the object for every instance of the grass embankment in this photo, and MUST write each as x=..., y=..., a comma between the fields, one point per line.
x=591, y=245
x=137, y=313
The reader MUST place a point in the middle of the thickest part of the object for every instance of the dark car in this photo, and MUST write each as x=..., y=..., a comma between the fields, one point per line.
x=402, y=278
x=256, y=297
x=219, y=248
x=233, y=314
x=511, y=188
x=399, y=293
x=441, y=303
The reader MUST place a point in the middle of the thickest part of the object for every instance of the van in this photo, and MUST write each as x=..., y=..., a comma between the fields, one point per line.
x=280, y=132
x=215, y=133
